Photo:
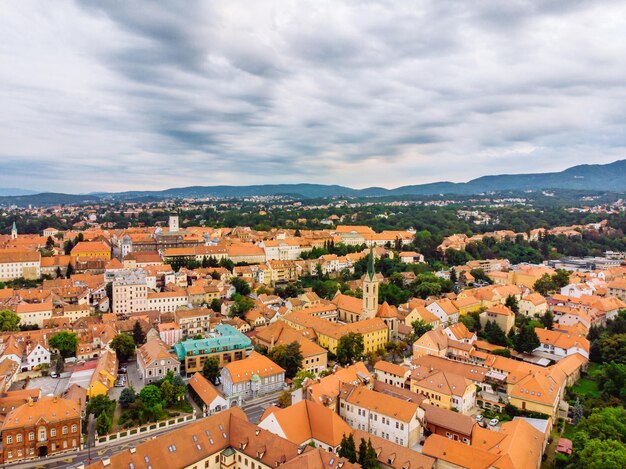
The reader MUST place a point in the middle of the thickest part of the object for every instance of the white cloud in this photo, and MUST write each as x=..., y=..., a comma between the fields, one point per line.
x=125, y=95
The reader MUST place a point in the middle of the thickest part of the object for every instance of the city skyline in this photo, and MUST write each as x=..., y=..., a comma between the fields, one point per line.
x=120, y=97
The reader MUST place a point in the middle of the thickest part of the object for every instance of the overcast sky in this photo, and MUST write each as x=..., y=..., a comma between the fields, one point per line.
x=124, y=95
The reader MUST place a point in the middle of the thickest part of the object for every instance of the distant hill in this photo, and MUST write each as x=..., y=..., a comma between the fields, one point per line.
x=609, y=177
x=9, y=191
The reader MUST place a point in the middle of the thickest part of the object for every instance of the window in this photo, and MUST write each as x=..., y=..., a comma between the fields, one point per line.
x=42, y=433
x=53, y=432
x=18, y=437
x=64, y=429
x=31, y=436
x=9, y=439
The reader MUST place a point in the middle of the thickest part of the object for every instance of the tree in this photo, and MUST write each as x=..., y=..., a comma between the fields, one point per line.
x=168, y=393
x=127, y=397
x=420, y=327
x=453, y=276
x=65, y=342
x=70, y=270
x=242, y=305
x=139, y=336
x=103, y=424
x=577, y=412
x=349, y=348
x=495, y=335
x=503, y=352
x=347, y=448
x=612, y=380
x=284, y=400
x=544, y=285
x=547, y=320
x=58, y=366
x=216, y=305
x=526, y=340
x=288, y=357
x=301, y=375
x=9, y=321
x=602, y=454
x=211, y=369
x=511, y=303
x=124, y=346
x=371, y=458
x=242, y=287
x=362, y=452
x=150, y=396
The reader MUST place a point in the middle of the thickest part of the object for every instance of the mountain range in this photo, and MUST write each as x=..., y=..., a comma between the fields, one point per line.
x=597, y=177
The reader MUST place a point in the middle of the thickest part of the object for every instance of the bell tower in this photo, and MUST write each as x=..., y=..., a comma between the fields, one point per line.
x=14, y=231
x=370, y=289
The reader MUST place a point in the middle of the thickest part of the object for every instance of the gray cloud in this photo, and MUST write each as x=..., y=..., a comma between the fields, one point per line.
x=136, y=95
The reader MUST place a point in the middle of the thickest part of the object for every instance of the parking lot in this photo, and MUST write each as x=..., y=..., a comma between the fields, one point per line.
x=47, y=384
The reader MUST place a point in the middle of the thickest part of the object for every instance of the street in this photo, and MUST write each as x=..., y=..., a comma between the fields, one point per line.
x=255, y=408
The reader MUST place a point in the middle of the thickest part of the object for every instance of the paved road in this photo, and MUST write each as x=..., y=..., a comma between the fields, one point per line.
x=254, y=409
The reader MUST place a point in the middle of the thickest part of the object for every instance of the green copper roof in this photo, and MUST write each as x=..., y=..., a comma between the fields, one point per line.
x=224, y=338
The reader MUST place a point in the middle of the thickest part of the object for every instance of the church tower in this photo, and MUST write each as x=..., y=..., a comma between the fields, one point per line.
x=173, y=223
x=370, y=289
x=14, y=231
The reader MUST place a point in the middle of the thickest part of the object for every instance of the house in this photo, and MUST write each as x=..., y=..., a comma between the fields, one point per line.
x=533, y=305
x=314, y=356
x=460, y=333
x=445, y=422
x=389, y=417
x=104, y=375
x=154, y=361
x=390, y=373
x=251, y=377
x=433, y=342
x=445, y=310
x=517, y=445
x=617, y=288
x=447, y=390
x=37, y=353
x=306, y=422
x=500, y=315
x=16, y=263
x=206, y=395
x=46, y=427
x=411, y=257
x=170, y=333
x=91, y=249
x=561, y=344
x=193, y=322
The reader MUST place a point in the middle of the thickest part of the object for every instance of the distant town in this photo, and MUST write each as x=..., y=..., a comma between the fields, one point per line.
x=267, y=332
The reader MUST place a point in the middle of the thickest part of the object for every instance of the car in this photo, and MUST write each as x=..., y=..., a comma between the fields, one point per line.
x=54, y=374
x=479, y=417
x=122, y=369
x=493, y=422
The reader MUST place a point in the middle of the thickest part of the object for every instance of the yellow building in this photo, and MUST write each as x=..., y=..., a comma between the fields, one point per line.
x=374, y=331
x=528, y=275
x=446, y=390
x=501, y=315
x=94, y=249
x=104, y=375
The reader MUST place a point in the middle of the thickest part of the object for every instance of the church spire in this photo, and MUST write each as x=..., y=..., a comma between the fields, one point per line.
x=370, y=264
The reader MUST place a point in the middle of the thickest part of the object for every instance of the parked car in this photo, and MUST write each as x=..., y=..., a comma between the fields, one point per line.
x=493, y=422
x=53, y=374
x=479, y=417
x=122, y=369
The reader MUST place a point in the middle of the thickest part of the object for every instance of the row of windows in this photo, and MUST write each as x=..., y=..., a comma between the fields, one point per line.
x=41, y=434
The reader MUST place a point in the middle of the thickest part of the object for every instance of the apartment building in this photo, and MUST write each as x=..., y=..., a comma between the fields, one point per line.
x=391, y=418
x=19, y=264
x=154, y=361
x=130, y=292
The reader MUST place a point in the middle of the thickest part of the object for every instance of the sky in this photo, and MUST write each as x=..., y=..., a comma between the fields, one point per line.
x=122, y=95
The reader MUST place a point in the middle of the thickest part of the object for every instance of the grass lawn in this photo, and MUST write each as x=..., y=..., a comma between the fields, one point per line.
x=586, y=388
x=569, y=431
x=593, y=369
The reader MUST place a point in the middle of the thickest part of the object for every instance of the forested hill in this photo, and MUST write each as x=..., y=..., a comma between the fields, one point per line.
x=608, y=177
